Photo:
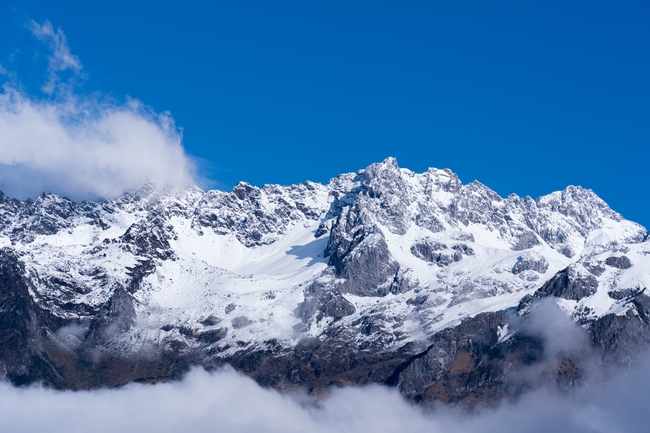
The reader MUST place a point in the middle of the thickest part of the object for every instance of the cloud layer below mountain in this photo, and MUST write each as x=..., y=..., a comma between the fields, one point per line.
x=228, y=402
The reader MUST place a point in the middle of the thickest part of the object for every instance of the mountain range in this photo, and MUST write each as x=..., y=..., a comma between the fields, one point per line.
x=444, y=290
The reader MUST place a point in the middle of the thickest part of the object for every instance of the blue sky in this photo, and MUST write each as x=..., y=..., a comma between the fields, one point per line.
x=526, y=97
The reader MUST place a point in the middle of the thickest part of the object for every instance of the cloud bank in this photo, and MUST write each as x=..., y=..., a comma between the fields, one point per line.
x=83, y=147
x=228, y=402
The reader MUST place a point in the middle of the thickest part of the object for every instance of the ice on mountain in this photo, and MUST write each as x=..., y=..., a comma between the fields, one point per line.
x=418, y=248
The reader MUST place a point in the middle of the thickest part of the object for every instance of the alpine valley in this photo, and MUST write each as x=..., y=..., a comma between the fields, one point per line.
x=386, y=276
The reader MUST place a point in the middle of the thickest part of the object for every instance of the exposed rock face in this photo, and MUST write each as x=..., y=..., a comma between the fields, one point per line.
x=530, y=262
x=570, y=284
x=320, y=300
x=242, y=211
x=457, y=365
x=381, y=276
x=18, y=321
x=621, y=262
x=438, y=253
x=116, y=317
x=369, y=269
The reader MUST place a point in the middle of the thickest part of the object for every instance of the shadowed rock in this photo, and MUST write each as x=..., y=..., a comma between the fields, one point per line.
x=621, y=262
x=569, y=284
x=530, y=262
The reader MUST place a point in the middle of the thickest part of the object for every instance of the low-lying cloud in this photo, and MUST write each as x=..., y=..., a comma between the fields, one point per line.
x=83, y=147
x=225, y=401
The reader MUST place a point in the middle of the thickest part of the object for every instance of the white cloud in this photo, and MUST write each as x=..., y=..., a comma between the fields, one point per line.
x=79, y=146
x=85, y=148
x=203, y=402
x=228, y=402
x=61, y=58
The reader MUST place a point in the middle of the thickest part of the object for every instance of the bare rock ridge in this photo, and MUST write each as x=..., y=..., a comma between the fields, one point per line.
x=416, y=281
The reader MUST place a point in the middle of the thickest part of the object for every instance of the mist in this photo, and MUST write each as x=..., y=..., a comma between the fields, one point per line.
x=225, y=401
x=82, y=146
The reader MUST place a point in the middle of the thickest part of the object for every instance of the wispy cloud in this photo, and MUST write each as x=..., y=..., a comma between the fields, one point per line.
x=60, y=59
x=84, y=147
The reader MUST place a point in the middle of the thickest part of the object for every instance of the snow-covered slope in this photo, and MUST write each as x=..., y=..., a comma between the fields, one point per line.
x=387, y=256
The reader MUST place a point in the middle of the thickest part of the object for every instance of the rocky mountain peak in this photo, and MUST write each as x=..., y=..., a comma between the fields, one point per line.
x=441, y=180
x=578, y=203
x=384, y=275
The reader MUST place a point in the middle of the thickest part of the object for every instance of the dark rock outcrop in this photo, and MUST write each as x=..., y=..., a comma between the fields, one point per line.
x=569, y=284
x=621, y=262
x=438, y=253
x=530, y=262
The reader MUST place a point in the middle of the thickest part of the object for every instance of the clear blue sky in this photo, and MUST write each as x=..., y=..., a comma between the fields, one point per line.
x=525, y=96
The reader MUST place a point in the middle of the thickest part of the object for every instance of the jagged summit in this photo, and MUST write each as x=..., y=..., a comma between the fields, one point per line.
x=307, y=284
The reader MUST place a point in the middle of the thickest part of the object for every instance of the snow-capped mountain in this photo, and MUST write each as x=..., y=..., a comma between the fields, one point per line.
x=383, y=275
